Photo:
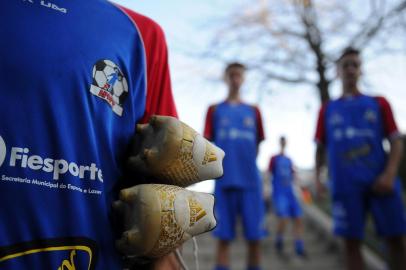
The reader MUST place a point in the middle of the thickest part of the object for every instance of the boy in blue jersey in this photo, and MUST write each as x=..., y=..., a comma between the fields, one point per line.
x=364, y=177
x=70, y=101
x=236, y=127
x=285, y=203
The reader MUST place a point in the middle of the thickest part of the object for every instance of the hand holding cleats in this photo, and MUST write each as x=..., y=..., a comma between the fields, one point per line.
x=173, y=153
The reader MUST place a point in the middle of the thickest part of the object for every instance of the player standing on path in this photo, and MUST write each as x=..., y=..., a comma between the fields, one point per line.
x=364, y=177
x=237, y=128
x=285, y=203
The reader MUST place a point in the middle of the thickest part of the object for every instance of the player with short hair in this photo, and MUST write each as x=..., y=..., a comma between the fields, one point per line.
x=363, y=176
x=237, y=128
x=285, y=203
x=75, y=79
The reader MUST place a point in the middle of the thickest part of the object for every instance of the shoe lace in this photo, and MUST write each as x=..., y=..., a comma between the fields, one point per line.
x=195, y=255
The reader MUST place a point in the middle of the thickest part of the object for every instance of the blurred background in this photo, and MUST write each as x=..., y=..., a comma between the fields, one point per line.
x=289, y=47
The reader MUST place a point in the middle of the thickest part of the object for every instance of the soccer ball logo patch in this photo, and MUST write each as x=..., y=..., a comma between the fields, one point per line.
x=109, y=84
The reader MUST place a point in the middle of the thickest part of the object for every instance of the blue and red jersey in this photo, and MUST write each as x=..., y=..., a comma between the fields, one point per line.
x=75, y=78
x=237, y=129
x=353, y=129
x=281, y=168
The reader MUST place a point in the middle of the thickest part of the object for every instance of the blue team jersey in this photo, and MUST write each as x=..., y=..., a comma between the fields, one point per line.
x=237, y=129
x=281, y=168
x=354, y=129
x=73, y=83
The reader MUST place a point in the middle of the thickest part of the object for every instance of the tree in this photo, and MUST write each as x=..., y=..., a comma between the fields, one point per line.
x=297, y=41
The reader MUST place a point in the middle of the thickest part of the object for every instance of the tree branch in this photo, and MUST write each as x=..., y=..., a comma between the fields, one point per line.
x=373, y=24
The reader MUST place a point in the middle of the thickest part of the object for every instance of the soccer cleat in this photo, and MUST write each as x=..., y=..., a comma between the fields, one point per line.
x=159, y=218
x=173, y=153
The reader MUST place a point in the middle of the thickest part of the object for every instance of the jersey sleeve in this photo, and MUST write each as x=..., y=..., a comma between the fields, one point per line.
x=260, y=127
x=320, y=136
x=271, y=164
x=159, y=97
x=208, y=132
x=388, y=120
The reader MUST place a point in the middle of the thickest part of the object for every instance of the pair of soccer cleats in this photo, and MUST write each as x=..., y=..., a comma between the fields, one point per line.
x=159, y=217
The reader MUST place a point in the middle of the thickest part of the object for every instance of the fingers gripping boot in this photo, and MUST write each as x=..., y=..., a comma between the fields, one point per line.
x=162, y=217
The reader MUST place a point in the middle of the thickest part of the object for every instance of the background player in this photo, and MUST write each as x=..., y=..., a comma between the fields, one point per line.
x=236, y=127
x=285, y=203
x=364, y=177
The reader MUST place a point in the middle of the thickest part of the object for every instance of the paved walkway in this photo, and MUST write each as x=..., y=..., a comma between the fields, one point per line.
x=323, y=255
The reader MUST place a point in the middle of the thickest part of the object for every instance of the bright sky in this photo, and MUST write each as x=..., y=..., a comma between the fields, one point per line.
x=288, y=111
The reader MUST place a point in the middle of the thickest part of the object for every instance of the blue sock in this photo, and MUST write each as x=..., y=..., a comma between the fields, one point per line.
x=299, y=246
x=279, y=242
x=254, y=268
x=218, y=267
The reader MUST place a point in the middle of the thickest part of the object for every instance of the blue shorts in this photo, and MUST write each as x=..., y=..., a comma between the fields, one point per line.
x=350, y=209
x=245, y=203
x=286, y=205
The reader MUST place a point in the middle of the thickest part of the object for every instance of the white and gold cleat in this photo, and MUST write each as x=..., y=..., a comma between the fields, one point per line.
x=159, y=218
x=174, y=153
